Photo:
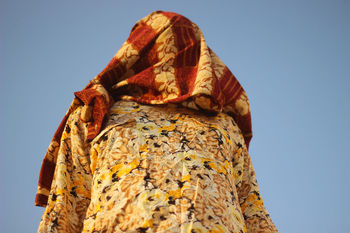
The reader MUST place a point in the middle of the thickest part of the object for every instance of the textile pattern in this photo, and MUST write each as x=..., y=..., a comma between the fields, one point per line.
x=155, y=169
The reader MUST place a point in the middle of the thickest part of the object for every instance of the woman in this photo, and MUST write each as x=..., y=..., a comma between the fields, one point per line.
x=157, y=142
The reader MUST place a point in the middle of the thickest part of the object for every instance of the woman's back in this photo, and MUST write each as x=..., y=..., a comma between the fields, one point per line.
x=159, y=169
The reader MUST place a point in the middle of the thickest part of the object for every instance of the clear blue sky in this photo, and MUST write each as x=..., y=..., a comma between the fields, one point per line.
x=291, y=57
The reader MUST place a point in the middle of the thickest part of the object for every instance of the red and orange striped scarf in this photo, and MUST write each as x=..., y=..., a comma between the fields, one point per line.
x=164, y=60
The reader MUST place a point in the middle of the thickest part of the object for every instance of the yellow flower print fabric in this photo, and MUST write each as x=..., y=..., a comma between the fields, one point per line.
x=155, y=169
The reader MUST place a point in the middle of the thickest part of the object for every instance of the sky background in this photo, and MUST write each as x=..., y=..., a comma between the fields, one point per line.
x=291, y=57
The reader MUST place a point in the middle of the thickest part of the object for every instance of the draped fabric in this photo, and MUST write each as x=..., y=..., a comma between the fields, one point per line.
x=155, y=169
x=164, y=60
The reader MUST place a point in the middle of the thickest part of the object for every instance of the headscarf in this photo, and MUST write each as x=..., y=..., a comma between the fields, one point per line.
x=164, y=60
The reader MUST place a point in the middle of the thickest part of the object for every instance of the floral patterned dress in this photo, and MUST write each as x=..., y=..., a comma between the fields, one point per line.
x=155, y=169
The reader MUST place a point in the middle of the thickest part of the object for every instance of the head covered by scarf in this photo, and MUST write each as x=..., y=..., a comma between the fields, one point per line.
x=164, y=60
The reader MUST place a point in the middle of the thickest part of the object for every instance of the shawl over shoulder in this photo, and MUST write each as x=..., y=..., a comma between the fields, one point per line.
x=164, y=60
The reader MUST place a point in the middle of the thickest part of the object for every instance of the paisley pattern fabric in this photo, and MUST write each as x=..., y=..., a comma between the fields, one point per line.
x=164, y=60
x=155, y=169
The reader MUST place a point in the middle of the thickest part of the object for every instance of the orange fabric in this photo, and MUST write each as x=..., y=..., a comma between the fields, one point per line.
x=164, y=60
